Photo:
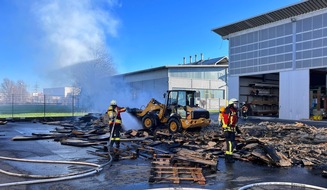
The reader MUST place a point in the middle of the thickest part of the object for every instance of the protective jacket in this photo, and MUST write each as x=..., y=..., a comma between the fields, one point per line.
x=114, y=112
x=230, y=119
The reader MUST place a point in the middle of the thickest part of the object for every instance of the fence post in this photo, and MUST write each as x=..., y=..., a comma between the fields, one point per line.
x=44, y=107
x=73, y=105
x=12, y=106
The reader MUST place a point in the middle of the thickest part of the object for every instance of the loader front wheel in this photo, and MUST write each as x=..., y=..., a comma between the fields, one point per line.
x=148, y=122
x=174, y=125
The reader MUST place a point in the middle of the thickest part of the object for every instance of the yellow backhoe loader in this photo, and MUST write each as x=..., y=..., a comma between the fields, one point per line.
x=180, y=112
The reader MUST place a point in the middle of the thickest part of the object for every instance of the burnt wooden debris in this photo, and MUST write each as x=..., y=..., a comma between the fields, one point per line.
x=269, y=143
x=163, y=170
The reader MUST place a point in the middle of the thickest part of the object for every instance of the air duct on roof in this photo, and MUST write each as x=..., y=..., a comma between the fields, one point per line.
x=184, y=60
x=195, y=57
x=190, y=58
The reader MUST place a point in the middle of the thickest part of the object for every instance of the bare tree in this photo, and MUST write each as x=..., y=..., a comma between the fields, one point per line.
x=12, y=91
x=21, y=92
x=93, y=78
x=7, y=89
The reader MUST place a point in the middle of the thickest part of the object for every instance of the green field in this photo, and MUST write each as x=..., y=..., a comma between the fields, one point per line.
x=27, y=111
x=34, y=115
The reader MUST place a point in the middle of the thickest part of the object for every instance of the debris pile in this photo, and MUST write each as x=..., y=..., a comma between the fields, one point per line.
x=273, y=144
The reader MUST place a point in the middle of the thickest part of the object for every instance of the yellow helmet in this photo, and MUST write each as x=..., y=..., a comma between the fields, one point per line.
x=113, y=103
x=232, y=101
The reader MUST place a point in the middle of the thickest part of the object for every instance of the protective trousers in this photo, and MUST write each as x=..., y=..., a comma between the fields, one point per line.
x=115, y=135
x=230, y=142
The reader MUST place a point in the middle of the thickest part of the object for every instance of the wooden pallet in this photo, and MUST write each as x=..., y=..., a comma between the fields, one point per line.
x=162, y=170
x=177, y=174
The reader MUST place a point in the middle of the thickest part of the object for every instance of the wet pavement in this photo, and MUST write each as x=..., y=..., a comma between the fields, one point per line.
x=124, y=174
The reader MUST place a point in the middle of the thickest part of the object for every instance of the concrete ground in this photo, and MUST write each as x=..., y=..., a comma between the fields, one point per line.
x=124, y=174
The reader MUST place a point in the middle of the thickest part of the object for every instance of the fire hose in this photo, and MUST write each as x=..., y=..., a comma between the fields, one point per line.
x=281, y=184
x=60, y=177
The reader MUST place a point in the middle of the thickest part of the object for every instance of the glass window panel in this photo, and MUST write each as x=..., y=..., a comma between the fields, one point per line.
x=298, y=46
x=288, y=48
x=317, y=43
x=307, y=36
x=306, y=63
x=288, y=29
x=272, y=32
x=280, y=66
x=280, y=30
x=249, y=69
x=279, y=58
x=271, y=59
x=317, y=21
x=298, y=55
x=299, y=37
x=280, y=41
x=299, y=25
x=263, y=68
x=324, y=51
x=317, y=53
x=317, y=62
x=298, y=64
x=288, y=56
x=307, y=24
x=324, y=19
x=272, y=67
x=271, y=51
x=317, y=34
x=271, y=43
x=288, y=65
x=280, y=50
x=307, y=54
x=307, y=45
x=324, y=61
x=288, y=39
x=255, y=36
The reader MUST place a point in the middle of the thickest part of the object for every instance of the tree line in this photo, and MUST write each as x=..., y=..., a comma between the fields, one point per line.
x=13, y=91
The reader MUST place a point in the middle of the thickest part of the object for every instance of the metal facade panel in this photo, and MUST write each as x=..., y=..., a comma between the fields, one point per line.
x=202, y=84
x=294, y=98
x=180, y=83
x=287, y=12
x=233, y=87
x=163, y=73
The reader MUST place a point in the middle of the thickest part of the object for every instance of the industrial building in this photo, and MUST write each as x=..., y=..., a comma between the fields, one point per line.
x=207, y=77
x=278, y=60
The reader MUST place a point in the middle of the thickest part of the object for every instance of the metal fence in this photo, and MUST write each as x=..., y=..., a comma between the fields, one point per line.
x=24, y=106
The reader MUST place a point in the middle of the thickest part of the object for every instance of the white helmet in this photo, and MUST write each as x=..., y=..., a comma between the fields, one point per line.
x=232, y=101
x=113, y=103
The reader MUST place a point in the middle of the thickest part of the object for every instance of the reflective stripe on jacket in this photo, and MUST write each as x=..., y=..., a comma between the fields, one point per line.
x=114, y=112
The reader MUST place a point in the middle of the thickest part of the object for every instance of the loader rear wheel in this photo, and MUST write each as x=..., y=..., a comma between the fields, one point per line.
x=148, y=122
x=174, y=125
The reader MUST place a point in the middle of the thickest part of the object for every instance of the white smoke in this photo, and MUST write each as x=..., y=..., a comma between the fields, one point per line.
x=75, y=36
x=71, y=29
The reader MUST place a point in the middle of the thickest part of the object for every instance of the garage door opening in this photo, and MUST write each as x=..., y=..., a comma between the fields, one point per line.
x=261, y=93
x=318, y=99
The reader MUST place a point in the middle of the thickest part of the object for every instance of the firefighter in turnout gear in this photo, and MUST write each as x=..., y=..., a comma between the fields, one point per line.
x=244, y=110
x=115, y=122
x=229, y=126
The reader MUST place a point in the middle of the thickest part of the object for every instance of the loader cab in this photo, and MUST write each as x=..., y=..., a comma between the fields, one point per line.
x=178, y=100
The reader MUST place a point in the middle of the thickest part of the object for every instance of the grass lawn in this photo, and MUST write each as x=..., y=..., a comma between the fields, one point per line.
x=27, y=115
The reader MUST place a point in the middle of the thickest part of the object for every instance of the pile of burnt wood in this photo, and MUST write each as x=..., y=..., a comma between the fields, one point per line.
x=274, y=144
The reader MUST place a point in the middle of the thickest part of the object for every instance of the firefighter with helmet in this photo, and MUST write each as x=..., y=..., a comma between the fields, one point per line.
x=229, y=125
x=115, y=122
